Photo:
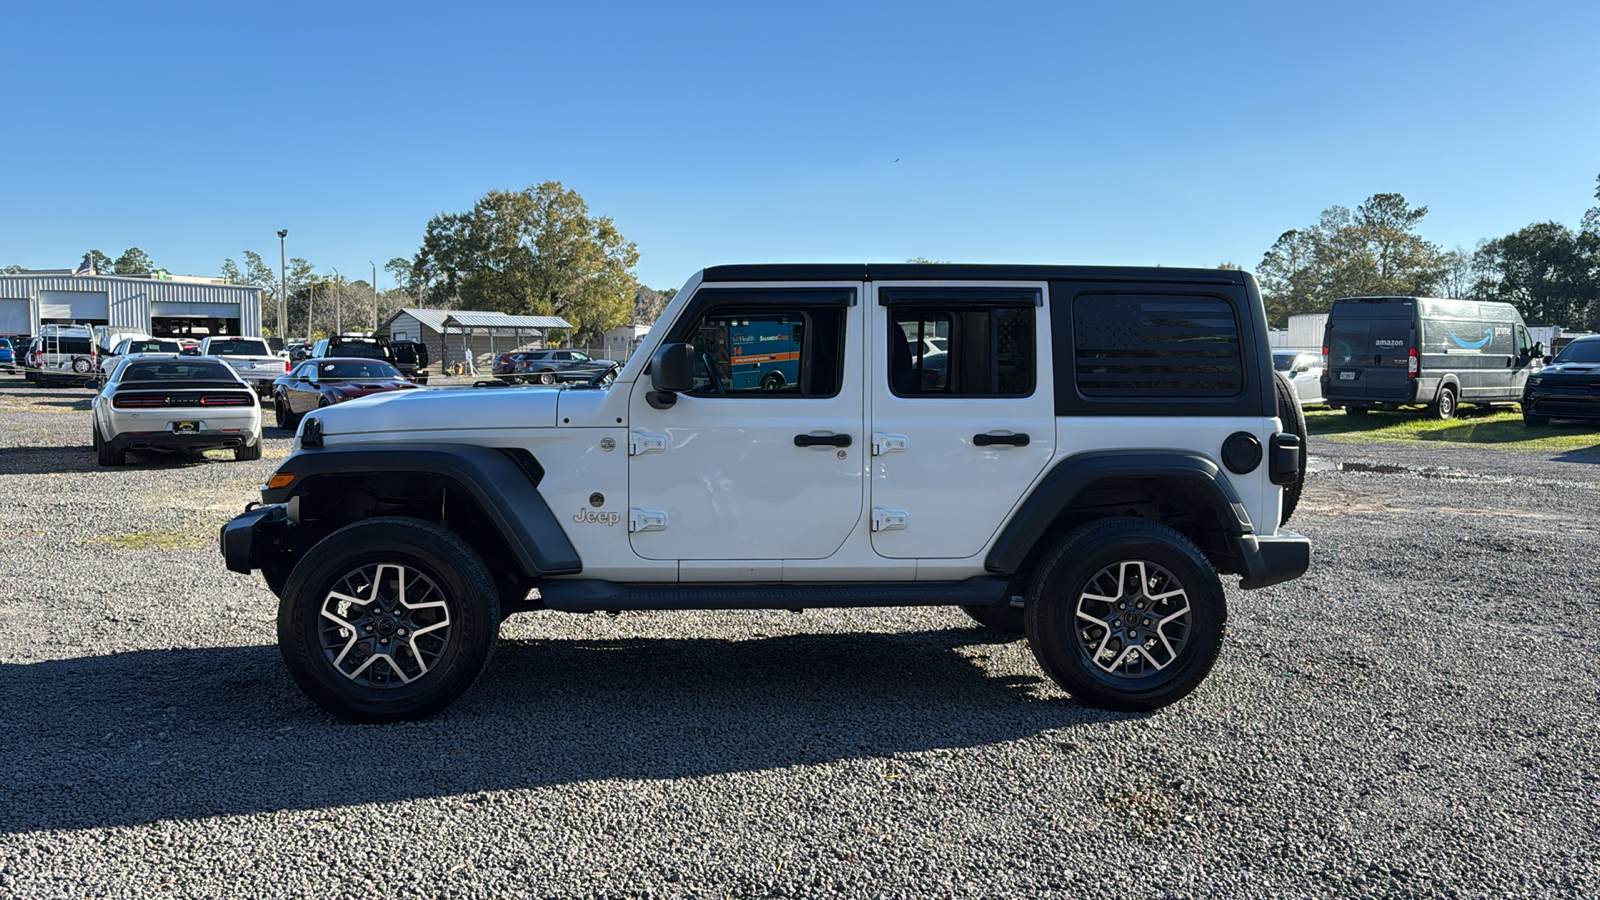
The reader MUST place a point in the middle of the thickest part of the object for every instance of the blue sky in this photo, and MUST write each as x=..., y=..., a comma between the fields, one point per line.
x=1138, y=133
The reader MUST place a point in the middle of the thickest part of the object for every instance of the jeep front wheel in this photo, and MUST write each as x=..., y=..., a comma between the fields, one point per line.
x=1126, y=614
x=388, y=619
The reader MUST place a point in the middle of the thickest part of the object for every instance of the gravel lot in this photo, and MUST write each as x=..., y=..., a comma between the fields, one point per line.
x=1416, y=716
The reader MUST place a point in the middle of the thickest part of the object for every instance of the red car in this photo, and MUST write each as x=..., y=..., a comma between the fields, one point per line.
x=324, y=381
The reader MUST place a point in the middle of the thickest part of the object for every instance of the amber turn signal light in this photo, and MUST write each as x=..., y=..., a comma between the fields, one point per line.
x=279, y=480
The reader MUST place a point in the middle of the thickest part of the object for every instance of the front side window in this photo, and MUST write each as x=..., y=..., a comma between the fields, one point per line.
x=1156, y=346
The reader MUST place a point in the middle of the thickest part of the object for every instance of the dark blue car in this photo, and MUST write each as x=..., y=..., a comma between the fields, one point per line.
x=8, y=355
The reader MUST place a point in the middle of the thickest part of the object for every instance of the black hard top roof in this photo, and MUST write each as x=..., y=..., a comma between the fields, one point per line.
x=962, y=272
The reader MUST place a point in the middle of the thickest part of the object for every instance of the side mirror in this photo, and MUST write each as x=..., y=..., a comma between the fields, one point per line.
x=672, y=368
x=92, y=384
x=1538, y=349
x=671, y=373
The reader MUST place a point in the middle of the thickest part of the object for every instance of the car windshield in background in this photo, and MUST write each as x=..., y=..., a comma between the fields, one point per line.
x=1580, y=352
x=5, y=344
x=239, y=348
x=1283, y=362
x=349, y=371
x=153, y=347
x=191, y=369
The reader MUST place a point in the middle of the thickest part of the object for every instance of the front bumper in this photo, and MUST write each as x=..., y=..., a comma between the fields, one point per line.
x=250, y=537
x=1559, y=401
x=1269, y=561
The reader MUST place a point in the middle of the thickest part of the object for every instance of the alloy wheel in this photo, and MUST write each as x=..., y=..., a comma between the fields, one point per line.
x=384, y=625
x=1133, y=619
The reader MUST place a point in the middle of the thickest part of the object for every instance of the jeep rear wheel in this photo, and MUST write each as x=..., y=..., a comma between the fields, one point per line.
x=1126, y=614
x=388, y=619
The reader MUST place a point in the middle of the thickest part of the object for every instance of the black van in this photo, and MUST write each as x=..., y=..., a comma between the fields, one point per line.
x=1389, y=352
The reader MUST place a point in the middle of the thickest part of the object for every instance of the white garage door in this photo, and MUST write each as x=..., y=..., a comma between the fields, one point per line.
x=14, y=318
x=195, y=310
x=77, y=306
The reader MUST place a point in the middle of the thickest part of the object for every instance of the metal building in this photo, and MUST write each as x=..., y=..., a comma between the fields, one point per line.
x=159, y=304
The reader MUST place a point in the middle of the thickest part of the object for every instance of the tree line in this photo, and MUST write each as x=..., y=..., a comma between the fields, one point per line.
x=539, y=251
x=1550, y=271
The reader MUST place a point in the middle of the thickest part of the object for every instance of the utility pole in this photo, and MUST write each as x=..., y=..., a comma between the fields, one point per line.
x=311, y=307
x=283, y=282
x=374, y=297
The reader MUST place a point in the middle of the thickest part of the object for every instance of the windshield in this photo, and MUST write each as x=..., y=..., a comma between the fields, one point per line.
x=189, y=369
x=238, y=347
x=1580, y=352
x=348, y=371
x=1283, y=362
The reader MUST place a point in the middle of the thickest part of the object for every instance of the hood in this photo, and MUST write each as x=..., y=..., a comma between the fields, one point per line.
x=425, y=410
x=369, y=386
x=1572, y=368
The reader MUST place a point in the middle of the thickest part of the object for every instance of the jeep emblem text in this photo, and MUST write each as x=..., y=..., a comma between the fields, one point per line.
x=587, y=515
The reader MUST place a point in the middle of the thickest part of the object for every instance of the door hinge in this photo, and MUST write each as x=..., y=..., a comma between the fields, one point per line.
x=889, y=443
x=889, y=519
x=640, y=442
x=646, y=520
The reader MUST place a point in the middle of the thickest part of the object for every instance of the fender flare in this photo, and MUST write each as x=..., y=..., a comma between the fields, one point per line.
x=1069, y=478
x=503, y=481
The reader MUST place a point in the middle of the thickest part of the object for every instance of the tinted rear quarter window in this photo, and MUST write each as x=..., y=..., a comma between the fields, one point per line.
x=1152, y=346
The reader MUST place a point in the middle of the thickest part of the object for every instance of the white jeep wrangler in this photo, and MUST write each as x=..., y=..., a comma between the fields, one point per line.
x=1070, y=452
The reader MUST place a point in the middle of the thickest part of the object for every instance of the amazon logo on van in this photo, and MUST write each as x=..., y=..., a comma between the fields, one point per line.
x=1388, y=344
x=1488, y=335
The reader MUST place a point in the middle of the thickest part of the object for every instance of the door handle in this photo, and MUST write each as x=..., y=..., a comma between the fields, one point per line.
x=822, y=440
x=1012, y=440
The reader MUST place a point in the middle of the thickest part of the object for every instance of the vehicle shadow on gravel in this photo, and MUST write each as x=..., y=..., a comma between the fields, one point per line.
x=53, y=460
x=122, y=740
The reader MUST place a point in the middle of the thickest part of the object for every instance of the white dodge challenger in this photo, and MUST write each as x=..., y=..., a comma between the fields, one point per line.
x=169, y=403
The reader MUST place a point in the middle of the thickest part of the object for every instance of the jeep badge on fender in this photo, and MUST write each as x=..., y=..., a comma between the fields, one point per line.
x=804, y=436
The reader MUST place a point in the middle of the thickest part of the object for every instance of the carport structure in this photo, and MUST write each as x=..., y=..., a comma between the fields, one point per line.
x=467, y=324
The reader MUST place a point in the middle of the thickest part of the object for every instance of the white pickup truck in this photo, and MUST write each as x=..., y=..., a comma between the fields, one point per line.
x=249, y=357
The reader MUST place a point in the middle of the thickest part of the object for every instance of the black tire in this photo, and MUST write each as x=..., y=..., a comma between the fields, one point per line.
x=1079, y=566
x=105, y=452
x=1532, y=421
x=285, y=420
x=1355, y=411
x=247, y=452
x=547, y=377
x=1000, y=616
x=82, y=366
x=1294, y=421
x=1445, y=408
x=358, y=681
x=773, y=382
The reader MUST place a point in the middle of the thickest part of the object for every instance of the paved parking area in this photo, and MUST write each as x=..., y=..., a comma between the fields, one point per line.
x=1416, y=716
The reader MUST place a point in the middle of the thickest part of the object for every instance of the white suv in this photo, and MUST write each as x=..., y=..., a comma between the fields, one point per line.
x=1071, y=453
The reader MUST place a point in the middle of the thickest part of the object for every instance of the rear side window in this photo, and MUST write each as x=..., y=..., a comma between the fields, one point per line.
x=961, y=350
x=76, y=346
x=1156, y=346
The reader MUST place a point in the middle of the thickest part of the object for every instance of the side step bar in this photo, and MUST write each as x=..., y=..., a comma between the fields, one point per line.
x=596, y=596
